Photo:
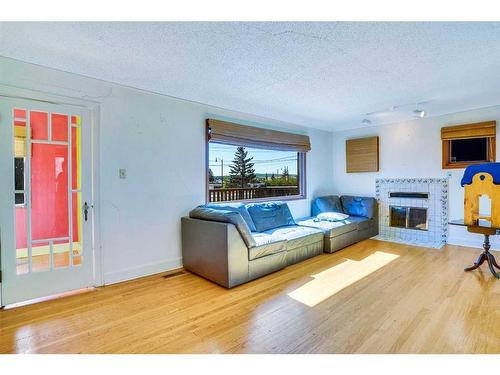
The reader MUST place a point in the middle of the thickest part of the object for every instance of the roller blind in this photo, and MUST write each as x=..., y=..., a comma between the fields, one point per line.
x=477, y=130
x=243, y=135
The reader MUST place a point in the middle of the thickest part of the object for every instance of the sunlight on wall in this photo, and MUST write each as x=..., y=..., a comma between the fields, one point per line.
x=336, y=278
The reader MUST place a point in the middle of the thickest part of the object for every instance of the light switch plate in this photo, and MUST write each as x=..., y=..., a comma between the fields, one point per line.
x=122, y=173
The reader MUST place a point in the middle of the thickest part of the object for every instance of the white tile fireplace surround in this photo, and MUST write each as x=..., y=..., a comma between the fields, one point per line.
x=413, y=210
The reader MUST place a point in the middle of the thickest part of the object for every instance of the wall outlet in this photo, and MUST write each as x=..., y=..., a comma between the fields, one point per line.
x=122, y=173
x=449, y=174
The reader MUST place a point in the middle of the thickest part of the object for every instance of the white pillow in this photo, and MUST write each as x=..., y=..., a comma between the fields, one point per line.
x=332, y=216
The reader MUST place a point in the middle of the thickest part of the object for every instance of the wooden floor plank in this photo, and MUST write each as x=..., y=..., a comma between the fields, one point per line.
x=418, y=300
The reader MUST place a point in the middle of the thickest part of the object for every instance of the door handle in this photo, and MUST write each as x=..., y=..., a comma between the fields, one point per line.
x=85, y=211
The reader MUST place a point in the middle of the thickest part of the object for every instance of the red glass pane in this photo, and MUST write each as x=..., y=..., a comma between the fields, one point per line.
x=49, y=191
x=19, y=117
x=59, y=127
x=21, y=241
x=39, y=125
x=19, y=113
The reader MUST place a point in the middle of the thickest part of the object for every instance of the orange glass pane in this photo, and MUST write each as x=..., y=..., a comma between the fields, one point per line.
x=39, y=125
x=75, y=158
x=61, y=254
x=59, y=127
x=49, y=191
x=75, y=120
x=77, y=254
x=40, y=260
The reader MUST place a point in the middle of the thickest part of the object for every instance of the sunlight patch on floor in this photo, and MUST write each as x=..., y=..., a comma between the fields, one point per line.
x=336, y=278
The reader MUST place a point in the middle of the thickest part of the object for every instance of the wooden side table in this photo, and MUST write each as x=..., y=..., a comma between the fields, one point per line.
x=483, y=227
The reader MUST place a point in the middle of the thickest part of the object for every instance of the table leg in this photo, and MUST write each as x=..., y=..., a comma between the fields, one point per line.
x=486, y=256
x=493, y=260
x=480, y=260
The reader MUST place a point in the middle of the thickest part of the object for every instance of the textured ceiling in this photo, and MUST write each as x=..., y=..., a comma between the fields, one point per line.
x=324, y=75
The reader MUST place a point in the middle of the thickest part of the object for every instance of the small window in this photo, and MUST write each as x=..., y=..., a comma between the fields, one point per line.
x=19, y=180
x=469, y=144
x=247, y=163
x=469, y=150
x=460, y=153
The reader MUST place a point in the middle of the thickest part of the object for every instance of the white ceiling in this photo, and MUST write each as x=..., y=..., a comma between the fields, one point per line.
x=323, y=75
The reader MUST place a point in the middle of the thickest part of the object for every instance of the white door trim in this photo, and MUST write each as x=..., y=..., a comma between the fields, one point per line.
x=94, y=108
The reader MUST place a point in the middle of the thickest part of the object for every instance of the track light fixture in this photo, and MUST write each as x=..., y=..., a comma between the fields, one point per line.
x=418, y=112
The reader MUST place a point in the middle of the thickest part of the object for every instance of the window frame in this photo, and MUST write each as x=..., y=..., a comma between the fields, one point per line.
x=302, y=177
x=448, y=164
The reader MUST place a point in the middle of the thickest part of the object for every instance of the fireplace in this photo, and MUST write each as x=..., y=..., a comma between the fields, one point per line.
x=408, y=217
x=413, y=210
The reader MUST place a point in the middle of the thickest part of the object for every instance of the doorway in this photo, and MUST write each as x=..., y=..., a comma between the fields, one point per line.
x=46, y=206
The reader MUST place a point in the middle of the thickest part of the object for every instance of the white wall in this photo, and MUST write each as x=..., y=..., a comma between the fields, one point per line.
x=412, y=149
x=161, y=142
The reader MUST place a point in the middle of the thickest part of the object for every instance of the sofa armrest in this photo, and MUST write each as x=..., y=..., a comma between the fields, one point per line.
x=214, y=250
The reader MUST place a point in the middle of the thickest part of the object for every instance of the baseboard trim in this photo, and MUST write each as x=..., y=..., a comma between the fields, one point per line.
x=473, y=242
x=141, y=271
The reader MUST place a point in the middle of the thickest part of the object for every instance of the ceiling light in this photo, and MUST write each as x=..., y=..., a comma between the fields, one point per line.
x=419, y=113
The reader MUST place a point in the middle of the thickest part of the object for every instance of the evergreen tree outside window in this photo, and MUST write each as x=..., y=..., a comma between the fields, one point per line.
x=242, y=171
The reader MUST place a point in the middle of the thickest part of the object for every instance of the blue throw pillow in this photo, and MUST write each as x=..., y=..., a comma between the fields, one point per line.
x=358, y=206
x=235, y=207
x=270, y=215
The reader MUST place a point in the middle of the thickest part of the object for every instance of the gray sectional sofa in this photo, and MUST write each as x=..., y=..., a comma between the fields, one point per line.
x=233, y=243
x=361, y=224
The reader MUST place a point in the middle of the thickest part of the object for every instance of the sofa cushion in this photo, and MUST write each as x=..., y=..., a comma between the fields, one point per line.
x=270, y=215
x=362, y=222
x=232, y=217
x=358, y=206
x=296, y=235
x=332, y=216
x=238, y=207
x=330, y=228
x=266, y=244
x=329, y=203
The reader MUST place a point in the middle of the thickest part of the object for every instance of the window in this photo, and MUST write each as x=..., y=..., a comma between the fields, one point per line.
x=19, y=180
x=247, y=163
x=468, y=150
x=469, y=144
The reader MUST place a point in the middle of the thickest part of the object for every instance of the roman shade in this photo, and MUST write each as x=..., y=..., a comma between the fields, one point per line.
x=250, y=136
x=477, y=130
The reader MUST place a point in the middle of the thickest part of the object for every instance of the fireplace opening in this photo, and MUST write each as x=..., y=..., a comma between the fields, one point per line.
x=408, y=217
x=406, y=194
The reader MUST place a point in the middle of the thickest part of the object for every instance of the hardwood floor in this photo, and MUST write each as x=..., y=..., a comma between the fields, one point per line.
x=373, y=297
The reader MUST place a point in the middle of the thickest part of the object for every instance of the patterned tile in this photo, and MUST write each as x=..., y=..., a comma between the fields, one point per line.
x=436, y=204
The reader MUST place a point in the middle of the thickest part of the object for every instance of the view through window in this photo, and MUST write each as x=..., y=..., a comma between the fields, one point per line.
x=245, y=173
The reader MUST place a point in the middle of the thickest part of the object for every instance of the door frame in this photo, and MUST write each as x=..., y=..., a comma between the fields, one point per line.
x=94, y=110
